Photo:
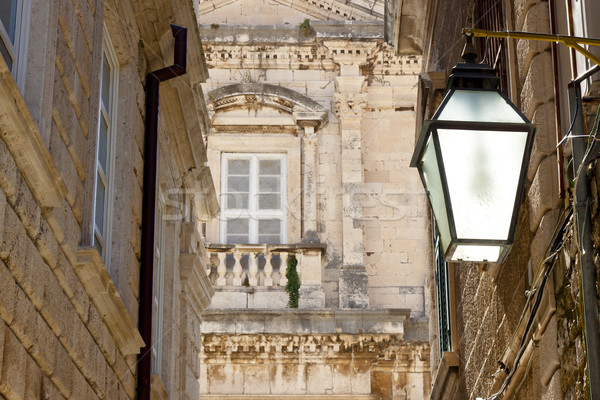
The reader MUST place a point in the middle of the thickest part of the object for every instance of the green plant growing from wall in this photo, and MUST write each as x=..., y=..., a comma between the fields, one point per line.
x=305, y=28
x=293, y=284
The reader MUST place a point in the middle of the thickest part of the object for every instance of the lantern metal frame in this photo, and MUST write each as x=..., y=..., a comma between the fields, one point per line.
x=473, y=77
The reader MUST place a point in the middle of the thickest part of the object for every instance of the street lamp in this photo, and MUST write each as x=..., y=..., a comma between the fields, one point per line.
x=472, y=157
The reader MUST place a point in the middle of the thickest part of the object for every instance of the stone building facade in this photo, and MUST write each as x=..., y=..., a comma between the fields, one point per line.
x=311, y=90
x=72, y=118
x=479, y=313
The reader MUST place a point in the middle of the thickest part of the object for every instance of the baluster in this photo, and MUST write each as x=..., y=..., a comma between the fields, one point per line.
x=237, y=269
x=283, y=268
x=268, y=270
x=252, y=270
x=221, y=269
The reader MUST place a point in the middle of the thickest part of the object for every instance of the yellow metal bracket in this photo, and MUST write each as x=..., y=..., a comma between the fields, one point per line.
x=574, y=42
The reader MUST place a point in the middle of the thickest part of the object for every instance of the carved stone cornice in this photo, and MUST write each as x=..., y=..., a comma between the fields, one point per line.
x=304, y=111
x=374, y=349
x=349, y=105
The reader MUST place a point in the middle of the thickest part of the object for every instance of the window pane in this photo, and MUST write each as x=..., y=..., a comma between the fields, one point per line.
x=236, y=201
x=103, y=143
x=105, y=82
x=269, y=239
x=5, y=54
x=237, y=239
x=268, y=184
x=269, y=227
x=269, y=167
x=268, y=202
x=237, y=230
x=100, y=196
x=238, y=226
x=239, y=167
x=8, y=16
x=238, y=184
x=97, y=244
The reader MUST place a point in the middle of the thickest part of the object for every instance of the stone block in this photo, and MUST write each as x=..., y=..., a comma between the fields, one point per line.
x=27, y=209
x=66, y=229
x=353, y=288
x=536, y=90
x=544, y=143
x=257, y=379
x=319, y=379
x=270, y=300
x=33, y=380
x=24, y=321
x=225, y=378
x=49, y=390
x=521, y=7
x=8, y=289
x=14, y=363
x=46, y=244
x=44, y=346
x=229, y=299
x=68, y=172
x=311, y=296
x=543, y=236
x=536, y=20
x=381, y=384
x=64, y=369
x=543, y=192
x=341, y=378
x=278, y=75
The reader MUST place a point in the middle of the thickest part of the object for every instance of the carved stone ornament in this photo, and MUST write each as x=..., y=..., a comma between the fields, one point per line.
x=349, y=105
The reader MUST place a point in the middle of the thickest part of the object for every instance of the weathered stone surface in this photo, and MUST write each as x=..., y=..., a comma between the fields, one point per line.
x=535, y=90
x=543, y=192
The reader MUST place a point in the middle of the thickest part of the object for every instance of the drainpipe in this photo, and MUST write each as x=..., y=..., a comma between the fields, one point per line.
x=584, y=232
x=149, y=204
x=557, y=101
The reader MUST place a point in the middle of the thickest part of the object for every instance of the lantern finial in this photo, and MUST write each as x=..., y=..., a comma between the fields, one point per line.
x=469, y=53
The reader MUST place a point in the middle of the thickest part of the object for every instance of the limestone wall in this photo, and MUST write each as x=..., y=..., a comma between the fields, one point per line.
x=68, y=324
x=370, y=209
x=490, y=303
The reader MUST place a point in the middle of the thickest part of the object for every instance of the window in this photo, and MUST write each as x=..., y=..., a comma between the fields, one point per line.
x=442, y=285
x=253, y=188
x=14, y=26
x=105, y=151
x=158, y=285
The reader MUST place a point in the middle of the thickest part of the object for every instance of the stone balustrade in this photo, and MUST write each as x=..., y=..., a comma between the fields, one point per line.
x=254, y=276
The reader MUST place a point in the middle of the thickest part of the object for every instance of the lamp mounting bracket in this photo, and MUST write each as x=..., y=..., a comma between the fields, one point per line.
x=574, y=42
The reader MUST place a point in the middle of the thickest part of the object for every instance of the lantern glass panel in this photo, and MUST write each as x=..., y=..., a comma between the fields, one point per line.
x=477, y=105
x=476, y=253
x=482, y=170
x=433, y=183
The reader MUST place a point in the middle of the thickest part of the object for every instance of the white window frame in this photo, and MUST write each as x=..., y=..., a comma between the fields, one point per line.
x=18, y=50
x=158, y=285
x=253, y=213
x=109, y=114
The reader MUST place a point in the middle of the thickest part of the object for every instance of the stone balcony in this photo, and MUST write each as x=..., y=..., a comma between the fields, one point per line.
x=253, y=276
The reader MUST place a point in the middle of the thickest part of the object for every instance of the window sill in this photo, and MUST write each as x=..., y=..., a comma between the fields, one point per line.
x=103, y=293
x=446, y=378
x=24, y=141
x=157, y=389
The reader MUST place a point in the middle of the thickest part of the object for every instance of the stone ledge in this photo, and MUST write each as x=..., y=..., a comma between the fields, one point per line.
x=289, y=397
x=102, y=291
x=305, y=321
x=446, y=378
x=157, y=389
x=23, y=139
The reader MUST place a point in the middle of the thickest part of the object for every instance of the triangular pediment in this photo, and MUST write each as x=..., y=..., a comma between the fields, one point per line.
x=281, y=12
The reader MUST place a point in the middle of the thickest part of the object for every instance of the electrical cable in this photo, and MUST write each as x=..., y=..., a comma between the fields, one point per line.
x=549, y=263
x=567, y=136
